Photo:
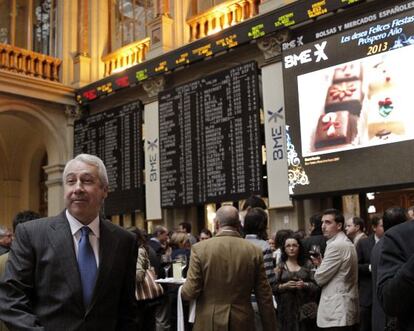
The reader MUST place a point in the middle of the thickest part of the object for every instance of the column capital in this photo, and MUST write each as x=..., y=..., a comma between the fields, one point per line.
x=271, y=45
x=73, y=112
x=54, y=174
x=153, y=86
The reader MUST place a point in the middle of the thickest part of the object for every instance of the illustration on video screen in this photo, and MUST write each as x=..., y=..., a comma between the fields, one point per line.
x=357, y=104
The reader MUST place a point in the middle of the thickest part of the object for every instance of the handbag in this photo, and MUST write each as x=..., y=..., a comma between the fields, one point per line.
x=148, y=288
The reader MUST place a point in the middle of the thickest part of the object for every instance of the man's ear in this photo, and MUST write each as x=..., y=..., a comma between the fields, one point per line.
x=216, y=224
x=105, y=189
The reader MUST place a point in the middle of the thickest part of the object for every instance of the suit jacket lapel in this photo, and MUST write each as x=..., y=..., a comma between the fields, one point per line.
x=61, y=240
x=108, y=243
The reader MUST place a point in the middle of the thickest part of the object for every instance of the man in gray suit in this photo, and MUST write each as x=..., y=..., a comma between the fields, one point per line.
x=338, y=276
x=74, y=271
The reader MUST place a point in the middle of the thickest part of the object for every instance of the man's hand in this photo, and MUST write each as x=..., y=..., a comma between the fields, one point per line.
x=316, y=260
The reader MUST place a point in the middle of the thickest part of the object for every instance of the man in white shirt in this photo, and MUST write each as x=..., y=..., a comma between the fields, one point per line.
x=337, y=274
x=74, y=271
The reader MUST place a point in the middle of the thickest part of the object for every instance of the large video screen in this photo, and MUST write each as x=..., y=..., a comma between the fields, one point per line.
x=349, y=108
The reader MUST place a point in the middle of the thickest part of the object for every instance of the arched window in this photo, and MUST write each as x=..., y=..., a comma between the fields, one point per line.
x=29, y=24
x=130, y=21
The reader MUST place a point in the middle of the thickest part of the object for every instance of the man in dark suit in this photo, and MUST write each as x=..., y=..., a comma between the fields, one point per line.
x=364, y=249
x=395, y=284
x=159, y=243
x=74, y=271
x=380, y=322
x=316, y=237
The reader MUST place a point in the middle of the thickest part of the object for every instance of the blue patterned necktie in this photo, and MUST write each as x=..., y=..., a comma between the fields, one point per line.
x=87, y=265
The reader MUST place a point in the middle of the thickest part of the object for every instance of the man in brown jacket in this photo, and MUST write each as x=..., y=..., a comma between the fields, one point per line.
x=223, y=273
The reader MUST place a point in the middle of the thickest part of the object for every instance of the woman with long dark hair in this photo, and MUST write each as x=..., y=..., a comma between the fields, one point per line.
x=296, y=291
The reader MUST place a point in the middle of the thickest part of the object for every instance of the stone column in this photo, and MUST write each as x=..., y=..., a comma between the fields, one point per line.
x=54, y=185
x=82, y=60
x=12, y=198
x=269, y=5
x=72, y=113
x=161, y=33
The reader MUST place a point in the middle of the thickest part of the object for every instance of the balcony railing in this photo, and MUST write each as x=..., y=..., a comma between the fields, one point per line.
x=222, y=16
x=126, y=56
x=29, y=63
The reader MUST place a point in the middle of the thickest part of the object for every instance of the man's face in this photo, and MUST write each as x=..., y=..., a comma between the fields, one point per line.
x=6, y=240
x=329, y=227
x=163, y=237
x=83, y=191
x=379, y=229
x=350, y=228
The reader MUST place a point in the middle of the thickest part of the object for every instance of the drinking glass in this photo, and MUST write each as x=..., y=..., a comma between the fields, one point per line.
x=183, y=259
x=166, y=263
x=315, y=252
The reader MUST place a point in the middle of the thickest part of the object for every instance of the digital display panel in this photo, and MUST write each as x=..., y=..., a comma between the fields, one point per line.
x=239, y=34
x=349, y=108
x=210, y=139
x=115, y=136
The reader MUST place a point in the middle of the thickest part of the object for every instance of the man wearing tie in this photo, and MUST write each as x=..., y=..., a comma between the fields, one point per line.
x=74, y=271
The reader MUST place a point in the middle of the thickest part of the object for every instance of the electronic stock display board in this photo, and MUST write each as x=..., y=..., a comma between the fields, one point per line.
x=349, y=107
x=242, y=33
x=115, y=136
x=210, y=139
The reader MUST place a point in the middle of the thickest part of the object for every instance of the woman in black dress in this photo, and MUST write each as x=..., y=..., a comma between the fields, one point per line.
x=296, y=291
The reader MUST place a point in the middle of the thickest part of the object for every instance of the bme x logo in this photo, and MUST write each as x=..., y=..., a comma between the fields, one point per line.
x=306, y=56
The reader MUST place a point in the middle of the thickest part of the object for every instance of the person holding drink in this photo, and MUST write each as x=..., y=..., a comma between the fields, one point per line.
x=296, y=291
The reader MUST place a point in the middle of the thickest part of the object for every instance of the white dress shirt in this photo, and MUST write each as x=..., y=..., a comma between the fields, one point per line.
x=75, y=227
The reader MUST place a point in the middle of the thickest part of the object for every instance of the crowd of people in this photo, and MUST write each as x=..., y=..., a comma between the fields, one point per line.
x=78, y=271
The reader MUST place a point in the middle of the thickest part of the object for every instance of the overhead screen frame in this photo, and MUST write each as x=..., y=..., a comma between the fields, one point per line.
x=357, y=170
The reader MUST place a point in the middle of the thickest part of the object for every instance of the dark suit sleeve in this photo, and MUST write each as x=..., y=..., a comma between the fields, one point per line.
x=17, y=285
x=395, y=276
x=363, y=257
x=127, y=320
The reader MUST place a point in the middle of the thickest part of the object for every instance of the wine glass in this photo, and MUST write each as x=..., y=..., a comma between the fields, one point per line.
x=166, y=263
x=315, y=252
x=182, y=259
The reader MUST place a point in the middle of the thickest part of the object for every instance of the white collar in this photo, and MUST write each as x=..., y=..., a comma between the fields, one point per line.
x=75, y=225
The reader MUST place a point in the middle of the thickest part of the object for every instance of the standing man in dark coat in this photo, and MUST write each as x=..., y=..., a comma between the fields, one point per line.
x=74, y=271
x=395, y=285
x=364, y=249
x=316, y=236
x=392, y=216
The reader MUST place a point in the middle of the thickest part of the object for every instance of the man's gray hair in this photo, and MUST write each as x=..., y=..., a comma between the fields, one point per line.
x=228, y=216
x=159, y=229
x=91, y=160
